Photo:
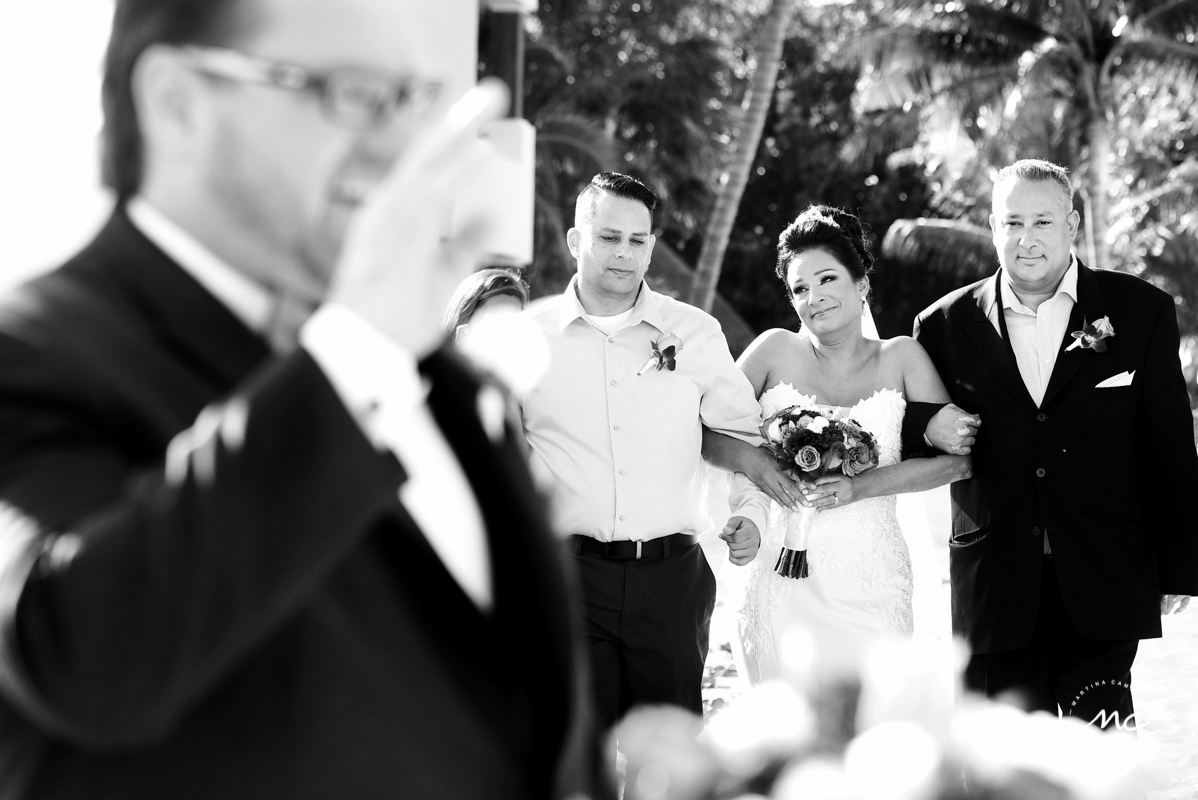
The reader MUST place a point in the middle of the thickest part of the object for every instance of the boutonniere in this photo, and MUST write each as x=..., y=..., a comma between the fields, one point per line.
x=665, y=350
x=1091, y=336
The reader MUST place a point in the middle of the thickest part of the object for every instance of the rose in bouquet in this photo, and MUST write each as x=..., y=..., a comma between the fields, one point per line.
x=814, y=442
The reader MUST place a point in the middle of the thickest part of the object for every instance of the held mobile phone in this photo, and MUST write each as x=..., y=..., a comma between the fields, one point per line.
x=503, y=192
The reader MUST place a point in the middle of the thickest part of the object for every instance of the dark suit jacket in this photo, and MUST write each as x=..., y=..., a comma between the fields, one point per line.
x=1109, y=473
x=238, y=606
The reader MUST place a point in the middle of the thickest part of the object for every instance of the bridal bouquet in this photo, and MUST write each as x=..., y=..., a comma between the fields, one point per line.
x=815, y=442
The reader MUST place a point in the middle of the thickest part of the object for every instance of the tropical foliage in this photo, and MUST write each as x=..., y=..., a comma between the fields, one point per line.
x=1001, y=79
x=899, y=112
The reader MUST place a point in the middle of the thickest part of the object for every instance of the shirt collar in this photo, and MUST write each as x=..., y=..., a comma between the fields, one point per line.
x=1068, y=285
x=247, y=300
x=645, y=309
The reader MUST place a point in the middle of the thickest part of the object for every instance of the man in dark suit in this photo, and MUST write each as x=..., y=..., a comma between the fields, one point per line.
x=1076, y=531
x=234, y=566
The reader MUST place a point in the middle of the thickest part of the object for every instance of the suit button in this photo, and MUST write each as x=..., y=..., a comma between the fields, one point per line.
x=1041, y=417
x=1040, y=473
x=1036, y=531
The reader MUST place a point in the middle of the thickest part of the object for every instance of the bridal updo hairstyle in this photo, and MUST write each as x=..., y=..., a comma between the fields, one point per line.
x=838, y=233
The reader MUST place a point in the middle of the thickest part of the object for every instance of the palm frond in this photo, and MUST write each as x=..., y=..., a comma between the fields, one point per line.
x=907, y=64
x=878, y=135
x=670, y=274
x=1181, y=179
x=563, y=132
x=948, y=247
x=1160, y=50
x=1168, y=19
x=1049, y=65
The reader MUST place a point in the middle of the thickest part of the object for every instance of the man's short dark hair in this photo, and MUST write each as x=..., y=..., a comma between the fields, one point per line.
x=617, y=185
x=136, y=25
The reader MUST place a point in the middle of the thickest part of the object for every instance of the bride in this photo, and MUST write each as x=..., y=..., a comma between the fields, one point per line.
x=860, y=586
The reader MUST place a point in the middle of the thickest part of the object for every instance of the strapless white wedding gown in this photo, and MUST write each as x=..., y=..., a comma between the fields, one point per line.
x=860, y=587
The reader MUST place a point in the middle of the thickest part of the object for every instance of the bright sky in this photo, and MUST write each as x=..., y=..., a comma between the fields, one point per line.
x=50, y=196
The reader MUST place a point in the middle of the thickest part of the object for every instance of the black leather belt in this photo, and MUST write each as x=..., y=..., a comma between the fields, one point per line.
x=627, y=551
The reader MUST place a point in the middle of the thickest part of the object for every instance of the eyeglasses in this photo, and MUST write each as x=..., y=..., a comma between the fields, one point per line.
x=351, y=97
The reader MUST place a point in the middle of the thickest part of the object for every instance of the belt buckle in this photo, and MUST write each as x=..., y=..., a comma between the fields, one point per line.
x=610, y=553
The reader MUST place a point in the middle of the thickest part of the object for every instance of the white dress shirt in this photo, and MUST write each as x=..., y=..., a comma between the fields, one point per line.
x=623, y=450
x=378, y=382
x=1036, y=336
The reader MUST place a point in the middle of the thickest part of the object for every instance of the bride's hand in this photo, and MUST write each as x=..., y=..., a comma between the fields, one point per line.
x=832, y=491
x=774, y=479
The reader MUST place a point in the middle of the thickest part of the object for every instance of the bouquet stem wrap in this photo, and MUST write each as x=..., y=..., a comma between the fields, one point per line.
x=792, y=561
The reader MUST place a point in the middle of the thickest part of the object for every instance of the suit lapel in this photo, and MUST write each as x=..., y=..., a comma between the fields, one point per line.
x=1090, y=306
x=532, y=612
x=511, y=507
x=994, y=348
x=184, y=316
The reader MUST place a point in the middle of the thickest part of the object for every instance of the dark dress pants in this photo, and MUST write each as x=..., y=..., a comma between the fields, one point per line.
x=647, y=625
x=1061, y=668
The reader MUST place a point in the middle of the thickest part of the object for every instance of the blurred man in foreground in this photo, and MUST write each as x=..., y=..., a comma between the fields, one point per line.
x=247, y=555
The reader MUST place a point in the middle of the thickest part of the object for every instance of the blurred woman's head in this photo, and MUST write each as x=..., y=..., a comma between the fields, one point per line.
x=824, y=260
x=485, y=292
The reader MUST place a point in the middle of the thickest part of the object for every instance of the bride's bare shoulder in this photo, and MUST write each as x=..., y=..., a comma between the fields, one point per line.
x=901, y=348
x=909, y=363
x=763, y=360
x=770, y=344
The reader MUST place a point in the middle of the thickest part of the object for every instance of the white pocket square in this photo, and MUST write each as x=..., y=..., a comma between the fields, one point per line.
x=1122, y=379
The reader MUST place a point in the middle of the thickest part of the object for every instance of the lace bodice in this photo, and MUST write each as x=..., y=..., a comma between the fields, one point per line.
x=859, y=545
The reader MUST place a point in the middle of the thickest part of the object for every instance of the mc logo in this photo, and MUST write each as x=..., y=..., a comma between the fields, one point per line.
x=1102, y=718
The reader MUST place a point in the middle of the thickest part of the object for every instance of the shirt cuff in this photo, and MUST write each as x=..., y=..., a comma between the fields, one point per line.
x=746, y=500
x=374, y=377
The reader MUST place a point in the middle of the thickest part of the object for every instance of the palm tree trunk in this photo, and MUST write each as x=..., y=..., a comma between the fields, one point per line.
x=740, y=160
x=1100, y=187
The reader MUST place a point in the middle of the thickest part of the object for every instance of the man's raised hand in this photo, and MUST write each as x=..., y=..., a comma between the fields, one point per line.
x=400, y=263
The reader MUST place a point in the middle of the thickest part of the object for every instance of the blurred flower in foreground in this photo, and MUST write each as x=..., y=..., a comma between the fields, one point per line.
x=665, y=759
x=767, y=726
x=893, y=761
x=814, y=779
x=996, y=743
x=914, y=681
x=891, y=734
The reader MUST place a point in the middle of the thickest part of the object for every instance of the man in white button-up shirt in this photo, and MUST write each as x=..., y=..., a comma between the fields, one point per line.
x=638, y=383
x=245, y=555
x=1075, y=532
